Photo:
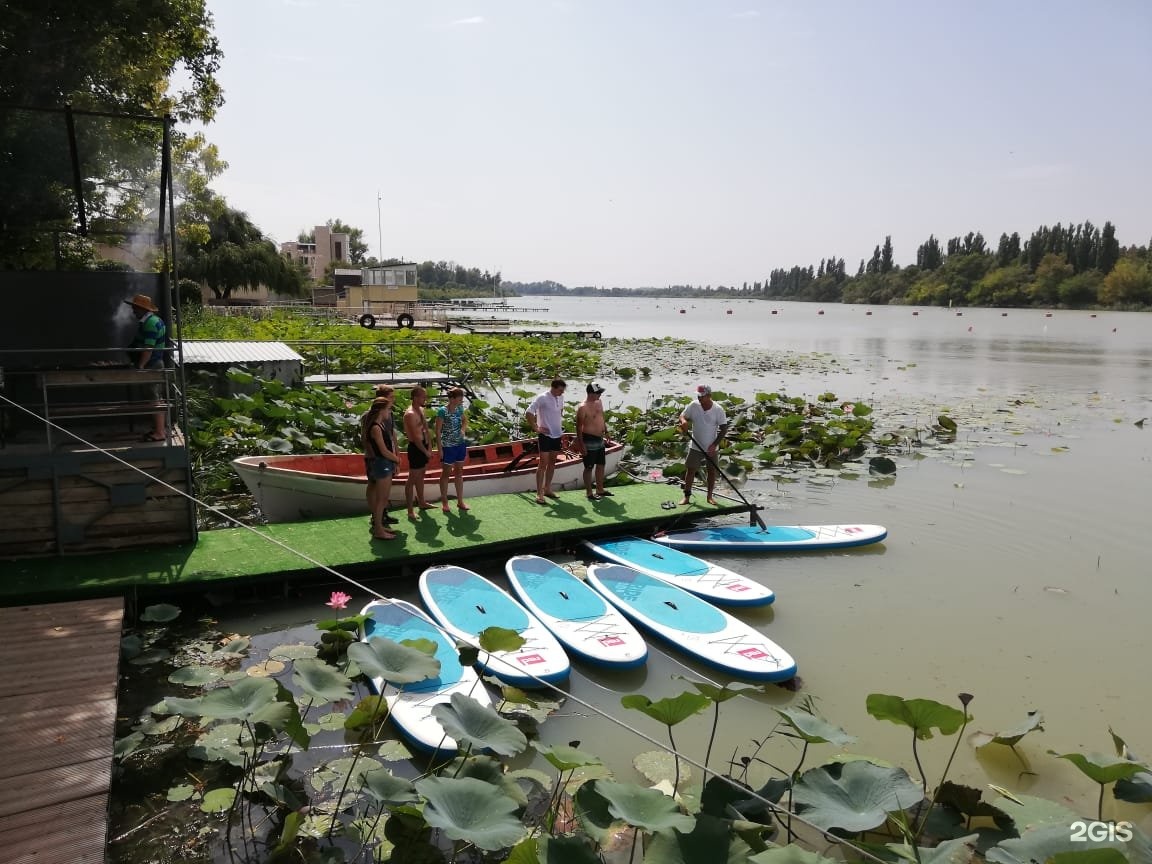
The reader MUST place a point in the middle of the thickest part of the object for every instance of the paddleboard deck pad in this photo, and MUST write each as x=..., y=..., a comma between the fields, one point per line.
x=752, y=538
x=585, y=623
x=410, y=704
x=703, y=578
x=692, y=625
x=467, y=604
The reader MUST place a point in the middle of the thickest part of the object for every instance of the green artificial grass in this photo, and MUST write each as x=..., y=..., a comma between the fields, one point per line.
x=511, y=523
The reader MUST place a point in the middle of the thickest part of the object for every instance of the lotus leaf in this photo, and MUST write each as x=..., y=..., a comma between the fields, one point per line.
x=1091, y=856
x=479, y=726
x=127, y=745
x=180, y=793
x=236, y=647
x=920, y=715
x=131, y=646
x=668, y=711
x=218, y=800
x=195, y=676
x=471, y=810
x=1028, y=812
x=321, y=681
x=160, y=727
x=645, y=809
x=789, y=855
x=813, y=729
x=711, y=839
x=238, y=701
x=721, y=694
x=160, y=613
x=661, y=766
x=1101, y=768
x=1010, y=738
x=854, y=797
x=960, y=850
x=384, y=787
x=493, y=639
x=489, y=770
x=222, y=743
x=1042, y=844
x=152, y=655
x=369, y=710
x=399, y=664
x=334, y=773
x=557, y=850
x=564, y=757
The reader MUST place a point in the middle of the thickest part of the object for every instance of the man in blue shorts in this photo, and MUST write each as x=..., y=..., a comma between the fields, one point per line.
x=546, y=418
x=451, y=431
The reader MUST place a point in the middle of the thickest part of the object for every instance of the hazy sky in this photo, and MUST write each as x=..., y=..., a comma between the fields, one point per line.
x=611, y=142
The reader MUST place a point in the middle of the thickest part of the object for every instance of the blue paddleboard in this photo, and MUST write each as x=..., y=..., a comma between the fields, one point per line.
x=585, y=623
x=467, y=604
x=692, y=625
x=773, y=538
x=410, y=704
x=703, y=578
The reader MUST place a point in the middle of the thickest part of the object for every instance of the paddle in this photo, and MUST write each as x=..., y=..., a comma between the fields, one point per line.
x=753, y=509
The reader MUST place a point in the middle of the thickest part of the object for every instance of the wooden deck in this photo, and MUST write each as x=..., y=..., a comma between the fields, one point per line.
x=58, y=668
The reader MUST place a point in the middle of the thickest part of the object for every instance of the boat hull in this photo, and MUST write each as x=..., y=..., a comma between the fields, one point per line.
x=292, y=488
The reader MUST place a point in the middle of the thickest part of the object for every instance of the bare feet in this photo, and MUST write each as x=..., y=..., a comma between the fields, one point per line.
x=683, y=502
x=550, y=494
x=412, y=514
x=446, y=508
x=540, y=500
x=464, y=507
x=383, y=535
x=424, y=505
x=712, y=501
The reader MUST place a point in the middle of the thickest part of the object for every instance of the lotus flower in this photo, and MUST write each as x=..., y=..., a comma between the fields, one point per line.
x=339, y=600
x=656, y=474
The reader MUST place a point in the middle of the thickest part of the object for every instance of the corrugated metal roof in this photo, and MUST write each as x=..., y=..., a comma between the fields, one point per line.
x=210, y=352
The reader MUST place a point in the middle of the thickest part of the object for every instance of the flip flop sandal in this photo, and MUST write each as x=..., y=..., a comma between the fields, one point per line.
x=669, y=505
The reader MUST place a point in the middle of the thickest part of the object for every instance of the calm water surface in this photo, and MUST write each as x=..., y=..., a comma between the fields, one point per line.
x=1016, y=567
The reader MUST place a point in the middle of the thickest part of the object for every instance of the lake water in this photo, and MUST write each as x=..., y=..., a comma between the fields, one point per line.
x=1016, y=567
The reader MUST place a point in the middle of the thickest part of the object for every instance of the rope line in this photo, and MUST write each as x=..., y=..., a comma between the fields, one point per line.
x=771, y=805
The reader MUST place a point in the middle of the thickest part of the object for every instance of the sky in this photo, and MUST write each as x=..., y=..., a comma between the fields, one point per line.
x=639, y=143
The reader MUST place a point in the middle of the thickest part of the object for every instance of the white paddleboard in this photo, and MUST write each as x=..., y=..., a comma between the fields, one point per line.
x=410, y=705
x=703, y=578
x=466, y=604
x=773, y=538
x=584, y=622
x=692, y=625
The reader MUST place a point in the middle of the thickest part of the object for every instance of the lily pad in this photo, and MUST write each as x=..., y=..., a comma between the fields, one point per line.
x=384, y=787
x=471, y=810
x=645, y=809
x=669, y=711
x=181, y=793
x=152, y=655
x=1011, y=737
x=195, y=676
x=920, y=715
x=564, y=757
x=286, y=653
x=790, y=854
x=265, y=670
x=1043, y=844
x=479, y=726
x=238, y=701
x=399, y=664
x=321, y=681
x=160, y=613
x=857, y=796
x=659, y=766
x=1101, y=768
x=218, y=800
x=813, y=729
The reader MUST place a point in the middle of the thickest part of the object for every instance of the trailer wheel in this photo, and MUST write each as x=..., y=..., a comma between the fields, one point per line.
x=596, y=335
x=405, y=320
x=368, y=321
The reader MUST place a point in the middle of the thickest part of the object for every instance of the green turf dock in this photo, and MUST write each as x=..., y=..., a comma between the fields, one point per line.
x=497, y=524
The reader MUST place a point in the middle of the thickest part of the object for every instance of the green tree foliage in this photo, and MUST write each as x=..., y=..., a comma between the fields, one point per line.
x=1052, y=271
x=886, y=255
x=230, y=254
x=929, y=255
x=1080, y=290
x=1129, y=284
x=1008, y=250
x=114, y=56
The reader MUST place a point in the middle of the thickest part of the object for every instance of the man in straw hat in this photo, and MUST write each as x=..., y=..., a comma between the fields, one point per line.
x=147, y=352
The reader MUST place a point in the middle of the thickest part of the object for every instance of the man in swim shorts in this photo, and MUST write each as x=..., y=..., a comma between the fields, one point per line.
x=590, y=428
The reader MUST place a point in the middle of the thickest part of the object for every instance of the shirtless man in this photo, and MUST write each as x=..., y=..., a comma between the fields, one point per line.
x=419, y=451
x=590, y=441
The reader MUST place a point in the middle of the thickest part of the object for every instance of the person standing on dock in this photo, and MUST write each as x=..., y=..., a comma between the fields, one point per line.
x=546, y=417
x=147, y=354
x=704, y=422
x=377, y=428
x=590, y=429
x=419, y=451
x=451, y=431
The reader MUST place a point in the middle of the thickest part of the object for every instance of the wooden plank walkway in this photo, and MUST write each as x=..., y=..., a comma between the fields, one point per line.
x=58, y=667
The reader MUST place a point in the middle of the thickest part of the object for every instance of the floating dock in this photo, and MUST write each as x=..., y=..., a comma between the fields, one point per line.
x=495, y=525
x=57, y=729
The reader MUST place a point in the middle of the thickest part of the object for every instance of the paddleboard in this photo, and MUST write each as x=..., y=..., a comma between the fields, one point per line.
x=774, y=538
x=691, y=624
x=466, y=604
x=704, y=579
x=410, y=705
x=585, y=623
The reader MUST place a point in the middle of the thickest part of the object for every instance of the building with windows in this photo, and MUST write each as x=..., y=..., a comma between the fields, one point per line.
x=316, y=256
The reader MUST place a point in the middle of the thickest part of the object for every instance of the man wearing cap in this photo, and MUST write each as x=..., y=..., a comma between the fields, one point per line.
x=147, y=352
x=590, y=430
x=704, y=422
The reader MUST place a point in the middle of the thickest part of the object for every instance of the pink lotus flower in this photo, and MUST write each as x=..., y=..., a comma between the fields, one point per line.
x=339, y=600
x=655, y=475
